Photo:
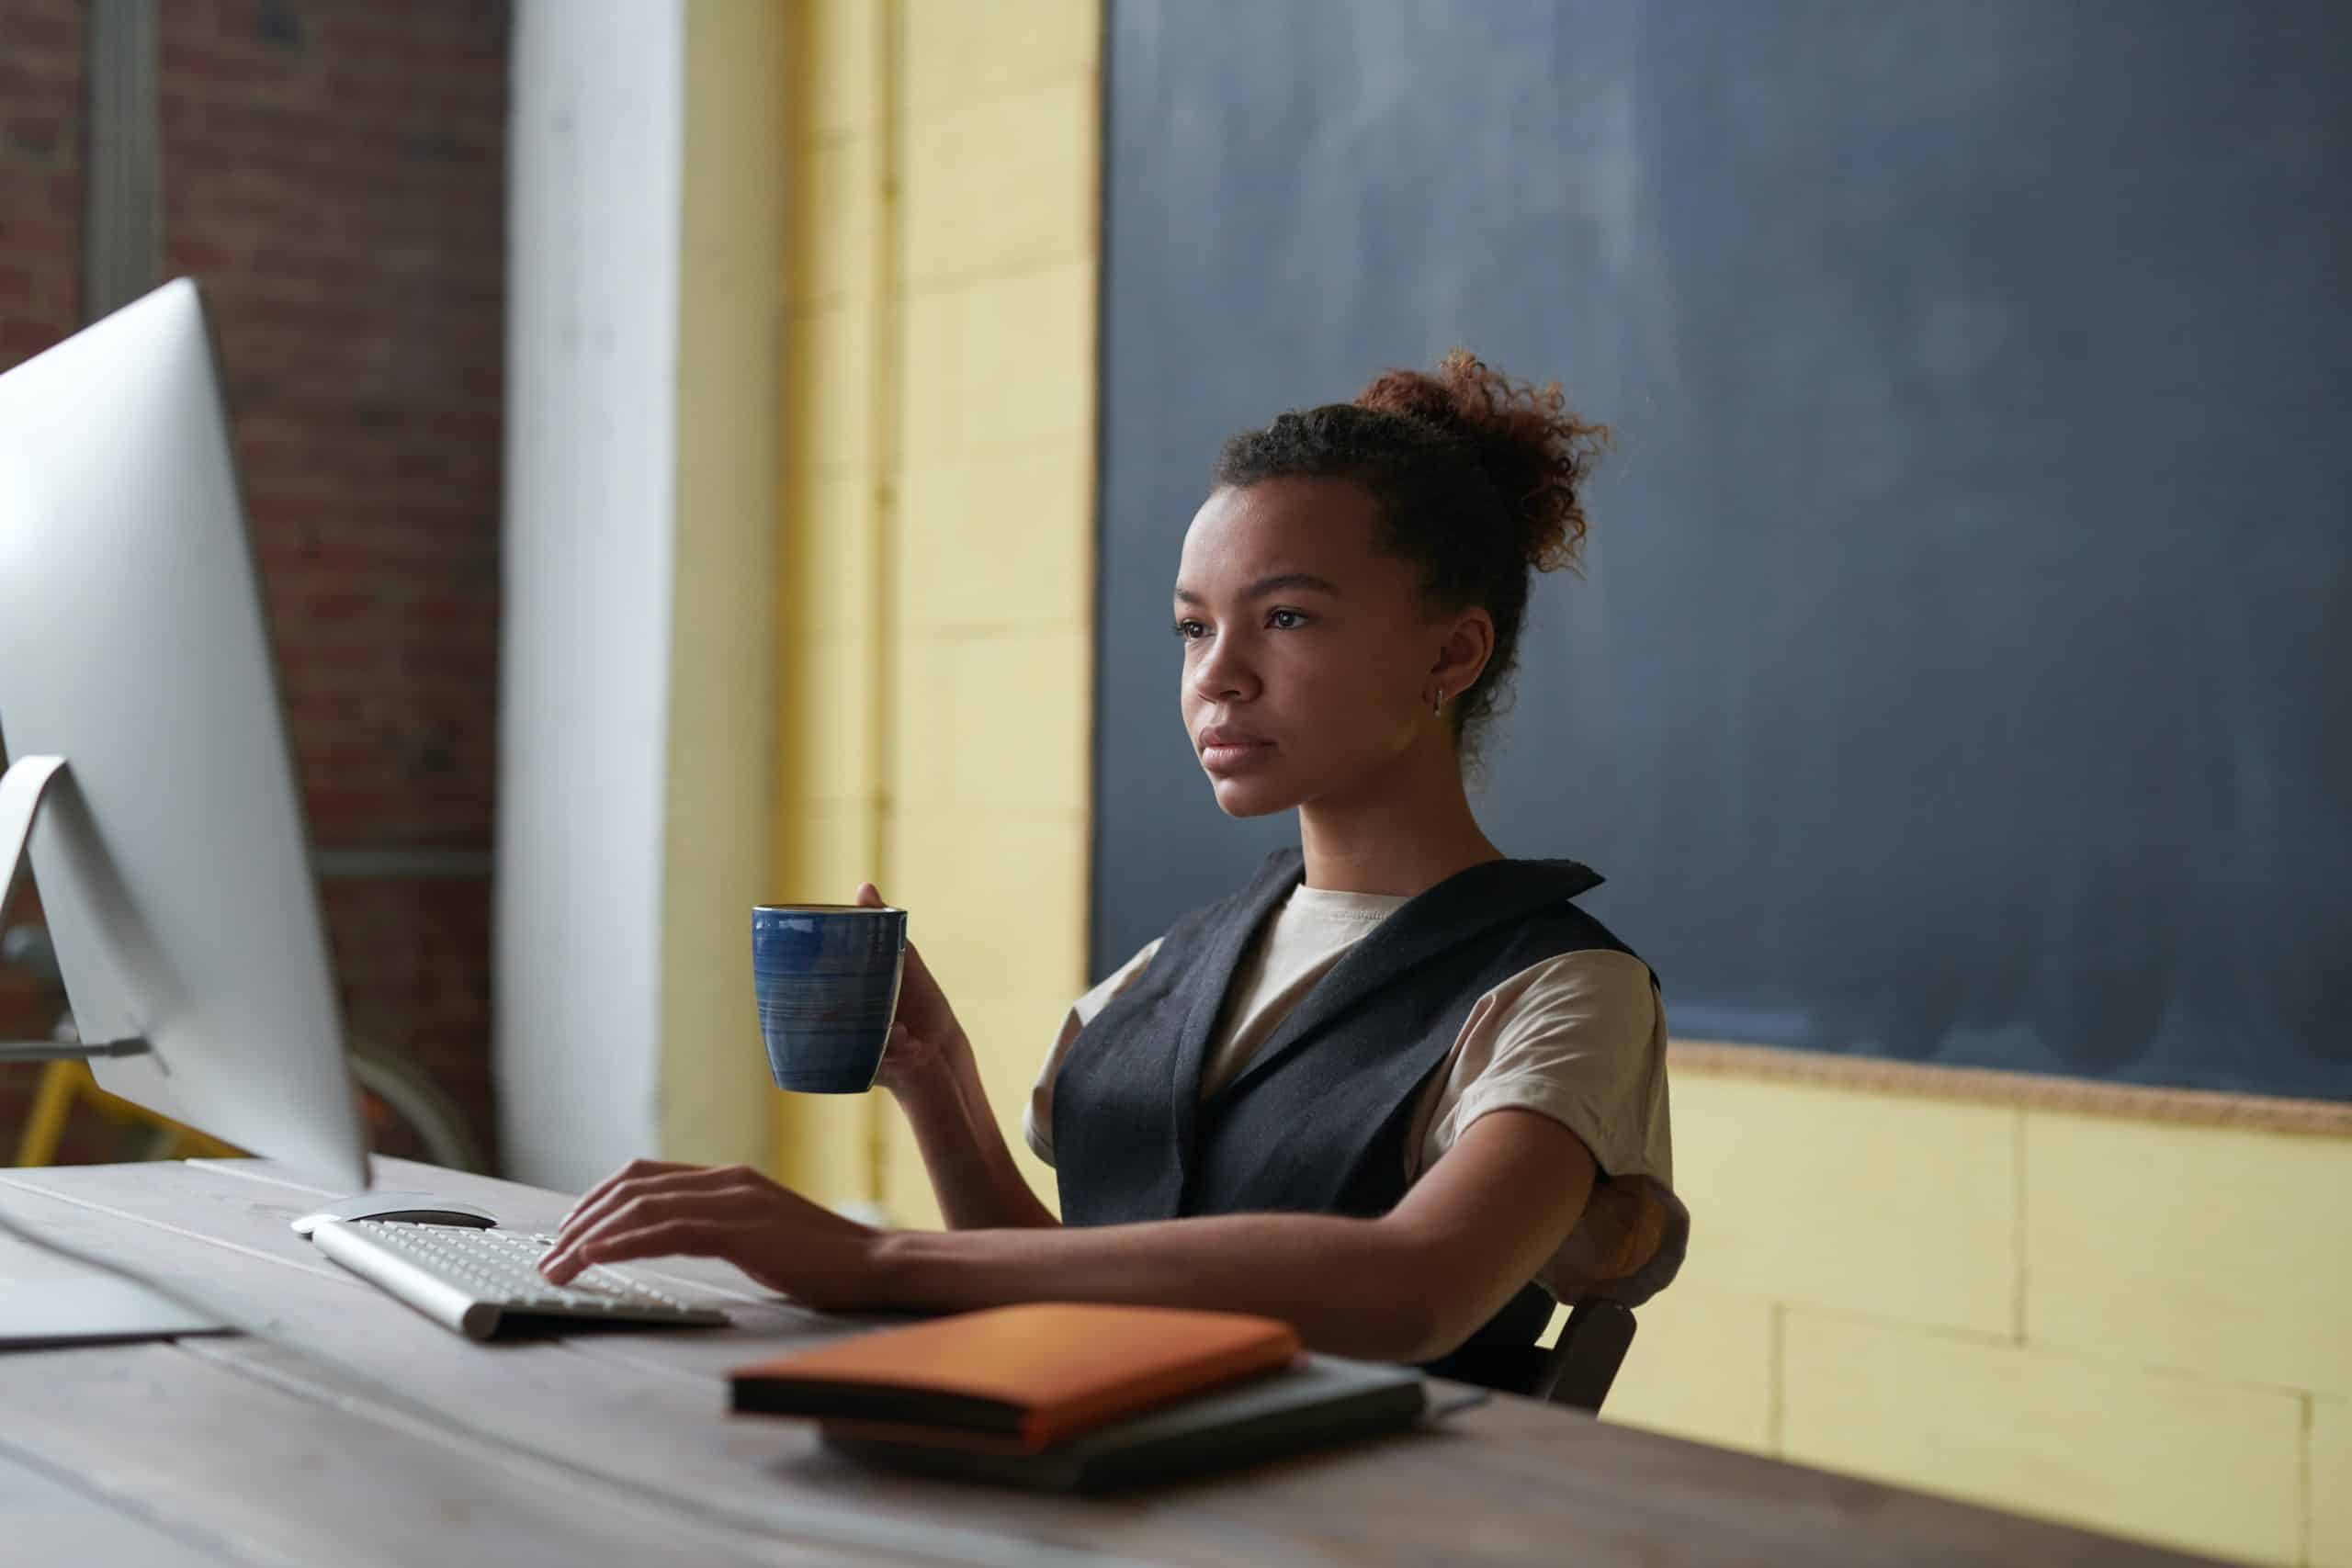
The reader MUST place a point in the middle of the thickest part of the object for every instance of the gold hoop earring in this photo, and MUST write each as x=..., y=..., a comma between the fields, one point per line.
x=1437, y=706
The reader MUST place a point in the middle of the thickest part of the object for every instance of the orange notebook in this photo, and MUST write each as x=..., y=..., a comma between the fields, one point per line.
x=1015, y=1379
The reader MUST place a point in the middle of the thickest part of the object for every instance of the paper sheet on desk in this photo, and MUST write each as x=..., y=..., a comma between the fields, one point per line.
x=95, y=1309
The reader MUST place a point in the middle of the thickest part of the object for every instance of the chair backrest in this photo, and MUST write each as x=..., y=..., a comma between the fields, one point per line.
x=1625, y=1248
x=1583, y=1360
x=1630, y=1243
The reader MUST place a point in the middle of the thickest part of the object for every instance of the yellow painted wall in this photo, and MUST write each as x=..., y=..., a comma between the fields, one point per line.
x=2143, y=1327
x=2140, y=1326
x=938, y=551
x=722, y=689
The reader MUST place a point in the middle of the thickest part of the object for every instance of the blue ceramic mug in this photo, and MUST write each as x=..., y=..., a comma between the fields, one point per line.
x=826, y=977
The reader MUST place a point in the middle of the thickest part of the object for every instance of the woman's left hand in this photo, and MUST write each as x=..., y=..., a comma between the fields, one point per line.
x=656, y=1208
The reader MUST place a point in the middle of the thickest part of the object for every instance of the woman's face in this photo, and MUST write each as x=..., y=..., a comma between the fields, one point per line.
x=1310, y=644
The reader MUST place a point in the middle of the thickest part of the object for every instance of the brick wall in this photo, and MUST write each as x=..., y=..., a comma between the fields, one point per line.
x=41, y=143
x=41, y=173
x=333, y=175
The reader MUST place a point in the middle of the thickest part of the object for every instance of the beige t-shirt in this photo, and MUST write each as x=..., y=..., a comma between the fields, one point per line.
x=1579, y=1038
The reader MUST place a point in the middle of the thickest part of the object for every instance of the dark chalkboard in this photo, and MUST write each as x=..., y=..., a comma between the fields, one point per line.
x=1960, y=673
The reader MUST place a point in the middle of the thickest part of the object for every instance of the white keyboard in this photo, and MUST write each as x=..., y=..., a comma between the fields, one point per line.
x=470, y=1280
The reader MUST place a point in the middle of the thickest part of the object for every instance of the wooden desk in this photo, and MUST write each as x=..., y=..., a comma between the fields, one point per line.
x=362, y=1433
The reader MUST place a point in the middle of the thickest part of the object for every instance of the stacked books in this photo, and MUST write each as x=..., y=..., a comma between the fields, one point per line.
x=1078, y=1396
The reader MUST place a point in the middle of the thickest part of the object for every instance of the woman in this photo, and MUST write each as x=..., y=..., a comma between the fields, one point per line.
x=1412, y=1063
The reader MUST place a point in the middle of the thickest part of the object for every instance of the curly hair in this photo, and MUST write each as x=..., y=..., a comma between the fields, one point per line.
x=1477, y=479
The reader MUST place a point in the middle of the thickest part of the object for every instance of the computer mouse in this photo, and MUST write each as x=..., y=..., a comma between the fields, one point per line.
x=417, y=1208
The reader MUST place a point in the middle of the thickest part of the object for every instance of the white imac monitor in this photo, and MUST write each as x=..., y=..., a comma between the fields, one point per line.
x=148, y=758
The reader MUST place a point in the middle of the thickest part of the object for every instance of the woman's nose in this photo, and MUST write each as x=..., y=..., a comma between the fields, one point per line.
x=1221, y=674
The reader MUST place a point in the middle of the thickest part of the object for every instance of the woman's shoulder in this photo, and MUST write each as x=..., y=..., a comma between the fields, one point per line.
x=1588, y=992
x=1563, y=940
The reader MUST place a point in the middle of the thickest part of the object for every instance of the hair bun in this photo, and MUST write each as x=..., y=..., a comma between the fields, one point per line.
x=1533, y=448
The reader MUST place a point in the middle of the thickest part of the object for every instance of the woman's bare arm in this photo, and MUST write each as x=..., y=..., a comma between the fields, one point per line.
x=964, y=1151
x=927, y=1065
x=1408, y=1286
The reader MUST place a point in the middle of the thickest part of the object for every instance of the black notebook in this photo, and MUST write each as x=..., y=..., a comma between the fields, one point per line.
x=1319, y=1401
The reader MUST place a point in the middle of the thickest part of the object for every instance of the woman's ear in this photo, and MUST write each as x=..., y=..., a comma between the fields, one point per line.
x=1463, y=658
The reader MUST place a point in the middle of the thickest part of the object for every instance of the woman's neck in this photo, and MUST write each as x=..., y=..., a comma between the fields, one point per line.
x=1405, y=836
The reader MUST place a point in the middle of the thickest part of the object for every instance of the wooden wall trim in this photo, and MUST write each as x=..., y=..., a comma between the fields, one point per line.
x=1872, y=1075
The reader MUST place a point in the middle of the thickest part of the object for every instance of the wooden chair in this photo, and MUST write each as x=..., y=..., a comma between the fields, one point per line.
x=1583, y=1362
x=1628, y=1246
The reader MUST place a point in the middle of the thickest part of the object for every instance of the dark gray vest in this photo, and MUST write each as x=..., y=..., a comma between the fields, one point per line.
x=1317, y=1123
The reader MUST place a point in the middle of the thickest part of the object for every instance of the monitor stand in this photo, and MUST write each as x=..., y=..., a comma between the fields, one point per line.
x=22, y=789
x=81, y=1307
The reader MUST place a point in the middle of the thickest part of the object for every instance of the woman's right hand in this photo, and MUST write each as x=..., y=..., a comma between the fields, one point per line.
x=924, y=1035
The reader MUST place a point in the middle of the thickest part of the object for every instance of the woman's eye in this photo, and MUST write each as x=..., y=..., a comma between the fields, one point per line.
x=1184, y=630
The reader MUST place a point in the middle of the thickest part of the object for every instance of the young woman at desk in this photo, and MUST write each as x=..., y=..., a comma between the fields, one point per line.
x=1425, y=1093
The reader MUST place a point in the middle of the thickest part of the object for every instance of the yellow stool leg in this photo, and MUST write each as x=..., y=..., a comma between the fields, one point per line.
x=62, y=1084
x=53, y=1102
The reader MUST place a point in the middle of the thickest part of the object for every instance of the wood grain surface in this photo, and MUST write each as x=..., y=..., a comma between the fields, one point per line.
x=347, y=1427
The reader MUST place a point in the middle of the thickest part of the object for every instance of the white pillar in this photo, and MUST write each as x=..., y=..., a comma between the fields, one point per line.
x=637, y=652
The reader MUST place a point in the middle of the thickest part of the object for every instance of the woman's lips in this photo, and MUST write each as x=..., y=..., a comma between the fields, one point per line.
x=1224, y=757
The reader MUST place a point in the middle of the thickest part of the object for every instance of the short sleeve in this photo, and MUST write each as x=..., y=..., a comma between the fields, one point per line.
x=1038, y=1118
x=1579, y=1038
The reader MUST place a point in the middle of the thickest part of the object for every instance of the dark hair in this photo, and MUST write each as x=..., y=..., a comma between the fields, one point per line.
x=1476, y=476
